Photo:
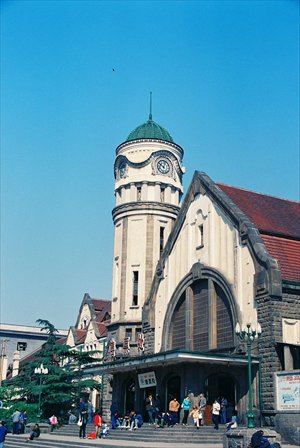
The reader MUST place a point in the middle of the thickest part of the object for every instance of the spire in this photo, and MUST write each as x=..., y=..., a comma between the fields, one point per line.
x=150, y=115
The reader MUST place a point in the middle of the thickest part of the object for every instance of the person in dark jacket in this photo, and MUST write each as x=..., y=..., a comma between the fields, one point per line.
x=259, y=441
x=114, y=415
x=35, y=433
x=82, y=428
x=3, y=432
x=150, y=408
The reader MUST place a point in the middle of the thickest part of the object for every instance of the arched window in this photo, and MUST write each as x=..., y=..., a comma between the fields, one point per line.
x=178, y=327
x=202, y=319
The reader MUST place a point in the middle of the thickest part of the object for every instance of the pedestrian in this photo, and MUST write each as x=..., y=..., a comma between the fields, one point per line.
x=174, y=407
x=215, y=413
x=16, y=421
x=229, y=411
x=202, y=407
x=167, y=420
x=156, y=406
x=136, y=420
x=186, y=404
x=82, y=427
x=35, y=433
x=223, y=410
x=90, y=410
x=150, y=408
x=105, y=431
x=195, y=414
x=114, y=414
x=53, y=422
x=97, y=423
x=259, y=441
x=3, y=432
x=233, y=424
x=72, y=418
x=81, y=405
x=23, y=422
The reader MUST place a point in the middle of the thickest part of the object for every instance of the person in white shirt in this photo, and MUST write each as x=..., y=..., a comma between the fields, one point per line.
x=215, y=413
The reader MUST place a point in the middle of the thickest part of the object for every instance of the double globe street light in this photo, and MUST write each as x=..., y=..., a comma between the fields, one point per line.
x=41, y=370
x=249, y=332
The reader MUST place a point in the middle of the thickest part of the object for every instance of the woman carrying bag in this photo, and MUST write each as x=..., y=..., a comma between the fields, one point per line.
x=82, y=422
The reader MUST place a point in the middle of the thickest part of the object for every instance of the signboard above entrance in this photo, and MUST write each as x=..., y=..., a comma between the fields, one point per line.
x=147, y=379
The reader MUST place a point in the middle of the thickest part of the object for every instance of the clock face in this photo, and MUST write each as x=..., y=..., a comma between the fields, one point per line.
x=122, y=169
x=163, y=166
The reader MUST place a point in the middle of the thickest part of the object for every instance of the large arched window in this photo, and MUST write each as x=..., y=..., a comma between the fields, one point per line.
x=178, y=327
x=202, y=319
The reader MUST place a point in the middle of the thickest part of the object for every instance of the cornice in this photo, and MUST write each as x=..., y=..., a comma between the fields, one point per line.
x=150, y=140
x=145, y=206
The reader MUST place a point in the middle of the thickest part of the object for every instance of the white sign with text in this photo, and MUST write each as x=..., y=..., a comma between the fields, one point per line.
x=287, y=391
x=147, y=379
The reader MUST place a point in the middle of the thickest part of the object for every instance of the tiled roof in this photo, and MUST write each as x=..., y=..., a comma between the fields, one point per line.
x=268, y=213
x=80, y=336
x=278, y=221
x=102, y=309
x=102, y=329
x=287, y=252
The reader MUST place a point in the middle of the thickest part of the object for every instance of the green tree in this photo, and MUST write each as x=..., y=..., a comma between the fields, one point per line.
x=61, y=388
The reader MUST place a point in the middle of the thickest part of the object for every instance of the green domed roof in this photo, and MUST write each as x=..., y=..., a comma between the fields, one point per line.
x=150, y=129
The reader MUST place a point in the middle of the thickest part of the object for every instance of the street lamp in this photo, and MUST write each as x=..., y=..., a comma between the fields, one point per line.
x=40, y=371
x=249, y=333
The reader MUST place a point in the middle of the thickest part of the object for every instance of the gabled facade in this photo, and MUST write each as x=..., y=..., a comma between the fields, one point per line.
x=90, y=330
x=185, y=273
x=90, y=334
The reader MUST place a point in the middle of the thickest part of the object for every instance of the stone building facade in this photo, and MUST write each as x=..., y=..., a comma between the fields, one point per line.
x=186, y=271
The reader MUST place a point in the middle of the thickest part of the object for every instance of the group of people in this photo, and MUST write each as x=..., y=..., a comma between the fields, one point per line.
x=19, y=421
x=131, y=421
x=222, y=412
x=87, y=415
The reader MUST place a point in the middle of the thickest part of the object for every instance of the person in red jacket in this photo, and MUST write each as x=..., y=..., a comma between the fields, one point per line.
x=97, y=423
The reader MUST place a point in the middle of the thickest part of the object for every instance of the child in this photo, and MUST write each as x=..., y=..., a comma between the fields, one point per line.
x=105, y=431
x=195, y=413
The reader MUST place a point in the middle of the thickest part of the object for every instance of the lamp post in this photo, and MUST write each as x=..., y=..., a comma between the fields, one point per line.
x=249, y=333
x=41, y=370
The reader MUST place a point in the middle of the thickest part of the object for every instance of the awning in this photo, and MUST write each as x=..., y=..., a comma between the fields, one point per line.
x=170, y=358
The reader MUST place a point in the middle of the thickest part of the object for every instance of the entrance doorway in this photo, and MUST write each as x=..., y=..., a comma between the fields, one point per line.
x=173, y=389
x=220, y=385
x=129, y=396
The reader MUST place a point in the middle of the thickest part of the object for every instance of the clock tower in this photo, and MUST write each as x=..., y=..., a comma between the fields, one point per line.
x=148, y=188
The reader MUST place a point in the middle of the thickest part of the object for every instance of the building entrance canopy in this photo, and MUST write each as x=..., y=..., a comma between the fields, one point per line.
x=170, y=358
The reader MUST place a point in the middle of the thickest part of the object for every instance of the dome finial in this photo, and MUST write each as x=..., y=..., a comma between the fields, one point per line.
x=150, y=115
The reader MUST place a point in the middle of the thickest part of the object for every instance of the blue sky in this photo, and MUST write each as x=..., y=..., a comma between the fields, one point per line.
x=225, y=83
